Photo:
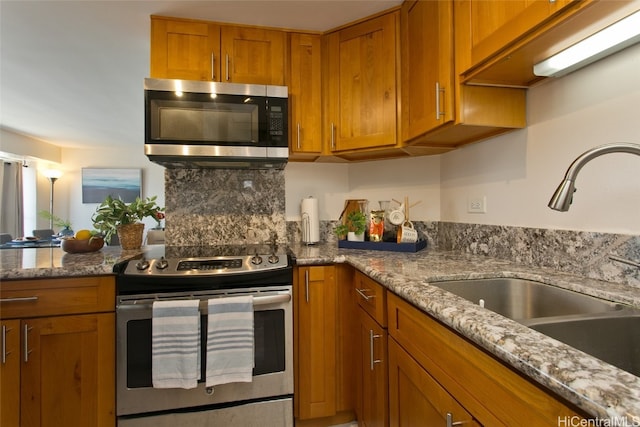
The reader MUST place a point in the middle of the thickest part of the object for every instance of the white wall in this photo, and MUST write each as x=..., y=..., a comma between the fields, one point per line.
x=518, y=172
x=331, y=184
x=69, y=186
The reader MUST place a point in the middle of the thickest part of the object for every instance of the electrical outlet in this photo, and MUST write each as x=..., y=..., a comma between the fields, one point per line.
x=477, y=204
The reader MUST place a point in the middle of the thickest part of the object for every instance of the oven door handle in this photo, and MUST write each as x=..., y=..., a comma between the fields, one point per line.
x=281, y=297
x=272, y=299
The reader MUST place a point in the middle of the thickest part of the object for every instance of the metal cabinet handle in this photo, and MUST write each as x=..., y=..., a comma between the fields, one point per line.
x=213, y=66
x=372, y=336
x=363, y=295
x=5, y=353
x=333, y=138
x=450, y=422
x=26, y=342
x=19, y=299
x=306, y=285
x=298, y=134
x=438, y=90
x=227, y=65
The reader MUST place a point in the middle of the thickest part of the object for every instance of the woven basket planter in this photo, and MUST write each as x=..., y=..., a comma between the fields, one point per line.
x=130, y=235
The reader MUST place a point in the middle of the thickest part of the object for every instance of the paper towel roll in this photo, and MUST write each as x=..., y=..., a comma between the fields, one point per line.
x=310, y=220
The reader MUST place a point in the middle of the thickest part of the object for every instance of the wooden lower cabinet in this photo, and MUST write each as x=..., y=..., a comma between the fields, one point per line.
x=10, y=373
x=373, y=409
x=315, y=342
x=58, y=369
x=492, y=392
x=416, y=399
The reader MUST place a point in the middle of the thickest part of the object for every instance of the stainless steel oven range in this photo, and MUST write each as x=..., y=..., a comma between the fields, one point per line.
x=203, y=273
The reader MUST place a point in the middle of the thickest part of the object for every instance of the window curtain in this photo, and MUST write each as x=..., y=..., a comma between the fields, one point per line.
x=11, y=208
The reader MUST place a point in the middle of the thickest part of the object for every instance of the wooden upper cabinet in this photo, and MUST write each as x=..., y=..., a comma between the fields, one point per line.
x=252, y=55
x=498, y=22
x=305, y=95
x=200, y=50
x=428, y=64
x=184, y=49
x=362, y=74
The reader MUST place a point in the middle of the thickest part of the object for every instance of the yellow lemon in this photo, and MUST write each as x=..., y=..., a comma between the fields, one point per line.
x=83, y=234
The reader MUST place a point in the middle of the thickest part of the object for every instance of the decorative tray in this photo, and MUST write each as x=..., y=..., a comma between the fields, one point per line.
x=384, y=246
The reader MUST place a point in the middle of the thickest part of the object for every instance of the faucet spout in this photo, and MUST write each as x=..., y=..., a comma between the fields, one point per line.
x=563, y=196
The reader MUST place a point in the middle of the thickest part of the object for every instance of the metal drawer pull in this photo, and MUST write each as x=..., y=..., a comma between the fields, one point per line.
x=306, y=285
x=227, y=65
x=363, y=295
x=438, y=112
x=213, y=66
x=333, y=138
x=5, y=353
x=298, y=133
x=26, y=342
x=19, y=299
x=450, y=422
x=371, y=338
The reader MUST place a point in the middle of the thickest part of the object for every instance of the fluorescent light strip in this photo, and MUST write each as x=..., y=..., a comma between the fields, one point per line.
x=615, y=37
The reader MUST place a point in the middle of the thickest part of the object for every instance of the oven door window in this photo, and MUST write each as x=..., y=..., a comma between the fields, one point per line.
x=269, y=344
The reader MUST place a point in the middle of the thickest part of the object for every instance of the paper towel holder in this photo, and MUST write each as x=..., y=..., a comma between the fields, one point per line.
x=306, y=225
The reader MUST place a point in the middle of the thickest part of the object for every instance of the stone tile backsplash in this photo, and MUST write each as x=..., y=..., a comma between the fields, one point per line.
x=207, y=207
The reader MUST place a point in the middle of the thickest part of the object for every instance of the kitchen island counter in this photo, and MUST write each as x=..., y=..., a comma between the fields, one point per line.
x=598, y=388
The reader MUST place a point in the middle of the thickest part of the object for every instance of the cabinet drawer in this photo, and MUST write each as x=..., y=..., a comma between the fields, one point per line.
x=372, y=297
x=50, y=297
x=493, y=392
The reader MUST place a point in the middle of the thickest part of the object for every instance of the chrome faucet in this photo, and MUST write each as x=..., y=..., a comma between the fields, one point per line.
x=562, y=198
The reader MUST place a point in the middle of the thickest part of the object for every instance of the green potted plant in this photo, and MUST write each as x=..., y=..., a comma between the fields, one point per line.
x=116, y=216
x=353, y=227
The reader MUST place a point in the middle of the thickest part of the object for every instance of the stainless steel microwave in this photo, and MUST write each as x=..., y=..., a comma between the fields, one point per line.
x=197, y=124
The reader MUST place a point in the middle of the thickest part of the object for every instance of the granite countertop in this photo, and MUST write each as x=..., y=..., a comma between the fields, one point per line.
x=598, y=388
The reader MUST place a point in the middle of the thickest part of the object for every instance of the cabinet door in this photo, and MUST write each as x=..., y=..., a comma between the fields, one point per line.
x=415, y=398
x=362, y=85
x=305, y=94
x=427, y=66
x=497, y=22
x=252, y=55
x=182, y=49
x=10, y=374
x=315, y=338
x=373, y=343
x=68, y=371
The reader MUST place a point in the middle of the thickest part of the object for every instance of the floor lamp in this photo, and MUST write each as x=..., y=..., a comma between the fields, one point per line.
x=53, y=175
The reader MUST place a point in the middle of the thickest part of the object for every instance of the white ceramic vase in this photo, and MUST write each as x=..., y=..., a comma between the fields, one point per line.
x=353, y=237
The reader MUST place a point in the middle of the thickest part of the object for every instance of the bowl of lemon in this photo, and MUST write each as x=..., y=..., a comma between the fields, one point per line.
x=83, y=241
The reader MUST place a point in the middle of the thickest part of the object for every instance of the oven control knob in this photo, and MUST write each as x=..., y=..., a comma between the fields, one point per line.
x=273, y=259
x=143, y=264
x=162, y=264
x=256, y=260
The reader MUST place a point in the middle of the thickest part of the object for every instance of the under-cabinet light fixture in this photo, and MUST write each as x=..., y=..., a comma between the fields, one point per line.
x=611, y=39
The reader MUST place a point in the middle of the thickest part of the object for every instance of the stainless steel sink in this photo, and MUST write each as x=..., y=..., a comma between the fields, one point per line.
x=521, y=300
x=603, y=329
x=613, y=339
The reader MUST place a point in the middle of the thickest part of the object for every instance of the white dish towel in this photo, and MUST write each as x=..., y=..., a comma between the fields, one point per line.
x=230, y=346
x=175, y=344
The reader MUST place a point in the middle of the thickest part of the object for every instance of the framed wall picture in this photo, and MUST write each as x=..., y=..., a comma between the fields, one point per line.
x=97, y=184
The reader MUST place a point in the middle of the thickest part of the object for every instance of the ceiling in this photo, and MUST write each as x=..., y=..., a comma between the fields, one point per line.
x=71, y=72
